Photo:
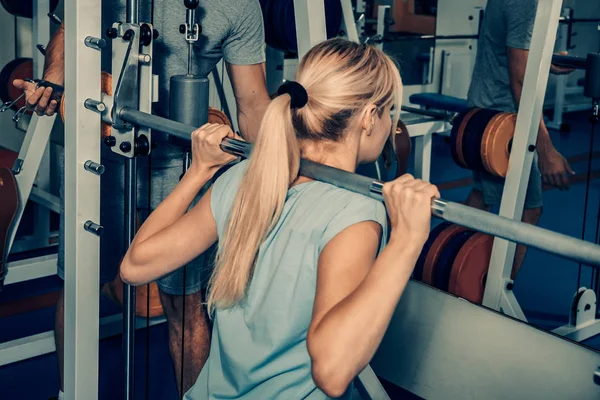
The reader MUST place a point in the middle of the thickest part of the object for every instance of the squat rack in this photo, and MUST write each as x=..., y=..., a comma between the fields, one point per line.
x=82, y=186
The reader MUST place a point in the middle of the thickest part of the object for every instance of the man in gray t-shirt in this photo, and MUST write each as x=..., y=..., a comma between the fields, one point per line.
x=497, y=83
x=232, y=30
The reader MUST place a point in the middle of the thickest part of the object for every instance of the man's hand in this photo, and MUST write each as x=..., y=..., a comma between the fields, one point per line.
x=554, y=168
x=557, y=70
x=38, y=99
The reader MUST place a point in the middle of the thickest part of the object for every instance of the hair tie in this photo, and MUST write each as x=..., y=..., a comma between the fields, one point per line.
x=296, y=92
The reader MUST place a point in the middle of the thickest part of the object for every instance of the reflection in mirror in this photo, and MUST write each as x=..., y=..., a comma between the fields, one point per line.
x=406, y=32
x=548, y=292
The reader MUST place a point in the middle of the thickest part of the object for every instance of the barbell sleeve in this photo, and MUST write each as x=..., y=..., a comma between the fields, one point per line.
x=482, y=221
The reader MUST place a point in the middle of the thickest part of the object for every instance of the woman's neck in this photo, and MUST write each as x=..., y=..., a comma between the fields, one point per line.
x=341, y=155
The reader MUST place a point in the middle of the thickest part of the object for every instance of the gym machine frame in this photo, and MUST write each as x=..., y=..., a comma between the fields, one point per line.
x=482, y=221
x=82, y=247
x=33, y=162
x=33, y=165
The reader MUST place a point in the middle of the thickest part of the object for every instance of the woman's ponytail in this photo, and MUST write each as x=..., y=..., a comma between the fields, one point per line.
x=272, y=166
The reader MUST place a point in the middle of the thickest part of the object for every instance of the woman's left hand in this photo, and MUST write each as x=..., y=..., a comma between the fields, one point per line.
x=206, y=147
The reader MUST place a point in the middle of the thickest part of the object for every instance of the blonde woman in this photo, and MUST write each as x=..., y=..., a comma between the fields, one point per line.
x=303, y=288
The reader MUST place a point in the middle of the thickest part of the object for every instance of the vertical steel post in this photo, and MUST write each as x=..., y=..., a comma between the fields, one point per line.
x=82, y=195
x=130, y=225
x=498, y=294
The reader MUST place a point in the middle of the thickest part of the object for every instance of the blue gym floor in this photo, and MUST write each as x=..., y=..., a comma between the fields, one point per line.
x=544, y=288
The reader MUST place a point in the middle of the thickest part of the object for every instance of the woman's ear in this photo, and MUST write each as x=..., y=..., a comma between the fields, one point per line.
x=368, y=118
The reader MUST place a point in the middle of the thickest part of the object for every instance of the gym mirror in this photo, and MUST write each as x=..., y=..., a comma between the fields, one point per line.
x=406, y=32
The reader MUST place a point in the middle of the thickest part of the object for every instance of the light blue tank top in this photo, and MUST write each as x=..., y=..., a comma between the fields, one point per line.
x=258, y=348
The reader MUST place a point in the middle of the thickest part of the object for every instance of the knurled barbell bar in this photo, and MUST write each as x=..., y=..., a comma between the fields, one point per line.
x=478, y=220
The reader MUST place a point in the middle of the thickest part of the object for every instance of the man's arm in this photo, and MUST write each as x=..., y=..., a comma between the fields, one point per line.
x=54, y=69
x=244, y=55
x=251, y=96
x=553, y=165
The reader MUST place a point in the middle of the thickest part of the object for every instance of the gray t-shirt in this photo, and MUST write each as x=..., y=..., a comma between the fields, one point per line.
x=231, y=29
x=506, y=23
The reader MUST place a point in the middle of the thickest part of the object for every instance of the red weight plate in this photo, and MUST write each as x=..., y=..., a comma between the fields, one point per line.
x=217, y=117
x=460, y=135
x=9, y=198
x=22, y=70
x=418, y=271
x=435, y=251
x=495, y=150
x=486, y=139
x=470, y=268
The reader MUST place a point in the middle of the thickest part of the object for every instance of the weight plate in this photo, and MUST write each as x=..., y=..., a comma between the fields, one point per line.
x=217, y=117
x=9, y=198
x=5, y=83
x=402, y=148
x=447, y=257
x=24, y=8
x=7, y=158
x=471, y=143
x=487, y=133
x=457, y=144
x=470, y=268
x=495, y=144
x=418, y=271
x=105, y=87
x=434, y=252
x=19, y=68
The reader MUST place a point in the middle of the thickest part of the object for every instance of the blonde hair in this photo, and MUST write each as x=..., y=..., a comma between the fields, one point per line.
x=341, y=79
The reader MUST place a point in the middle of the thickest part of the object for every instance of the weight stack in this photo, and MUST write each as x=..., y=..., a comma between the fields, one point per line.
x=188, y=102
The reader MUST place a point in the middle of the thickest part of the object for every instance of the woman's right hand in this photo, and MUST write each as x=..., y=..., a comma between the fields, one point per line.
x=408, y=203
x=206, y=147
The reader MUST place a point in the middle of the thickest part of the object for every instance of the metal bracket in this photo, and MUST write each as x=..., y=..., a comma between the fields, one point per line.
x=133, y=88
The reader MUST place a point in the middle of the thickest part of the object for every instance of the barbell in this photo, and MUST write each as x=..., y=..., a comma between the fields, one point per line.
x=482, y=221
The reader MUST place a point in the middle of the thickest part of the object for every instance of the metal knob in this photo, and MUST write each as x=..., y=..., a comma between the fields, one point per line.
x=144, y=58
x=110, y=141
x=125, y=147
x=93, y=227
x=95, y=43
x=112, y=33
x=191, y=4
x=94, y=167
x=94, y=105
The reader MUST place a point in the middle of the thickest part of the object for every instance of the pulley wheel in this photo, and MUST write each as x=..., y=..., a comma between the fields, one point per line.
x=435, y=251
x=447, y=257
x=24, y=8
x=105, y=87
x=418, y=271
x=19, y=68
x=471, y=143
x=457, y=136
x=467, y=278
x=495, y=145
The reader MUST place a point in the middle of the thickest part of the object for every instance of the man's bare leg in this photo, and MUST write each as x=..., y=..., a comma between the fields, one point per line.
x=196, y=334
x=59, y=336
